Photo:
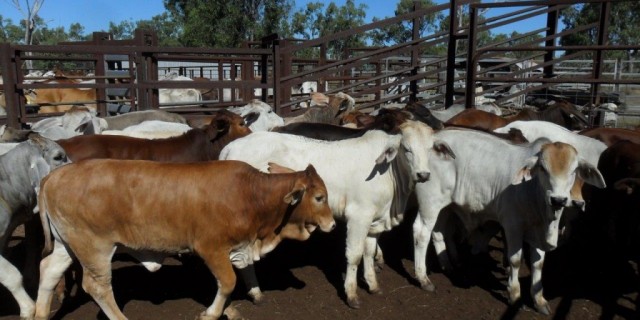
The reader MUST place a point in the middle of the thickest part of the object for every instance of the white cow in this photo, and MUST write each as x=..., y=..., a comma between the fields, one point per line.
x=359, y=178
x=267, y=119
x=485, y=183
x=588, y=148
x=169, y=95
x=152, y=129
x=69, y=124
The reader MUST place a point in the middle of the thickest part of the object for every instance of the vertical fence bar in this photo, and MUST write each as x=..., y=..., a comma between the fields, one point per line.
x=276, y=76
x=415, y=54
x=603, y=33
x=451, y=53
x=552, y=29
x=12, y=96
x=470, y=90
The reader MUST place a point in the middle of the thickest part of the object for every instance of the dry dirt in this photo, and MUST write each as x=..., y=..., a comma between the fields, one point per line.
x=303, y=280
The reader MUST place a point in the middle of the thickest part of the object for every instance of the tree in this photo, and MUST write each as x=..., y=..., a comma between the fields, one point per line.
x=624, y=26
x=167, y=29
x=403, y=31
x=312, y=22
x=9, y=32
x=217, y=23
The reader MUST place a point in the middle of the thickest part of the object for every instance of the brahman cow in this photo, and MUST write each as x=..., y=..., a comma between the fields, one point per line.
x=168, y=208
x=325, y=109
x=195, y=145
x=152, y=129
x=450, y=112
x=20, y=172
x=380, y=167
x=122, y=121
x=617, y=208
x=266, y=120
x=609, y=136
x=561, y=113
x=168, y=96
x=523, y=187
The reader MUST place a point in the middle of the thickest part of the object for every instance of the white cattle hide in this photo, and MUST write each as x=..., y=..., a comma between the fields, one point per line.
x=152, y=129
x=169, y=95
x=267, y=119
x=485, y=183
x=360, y=181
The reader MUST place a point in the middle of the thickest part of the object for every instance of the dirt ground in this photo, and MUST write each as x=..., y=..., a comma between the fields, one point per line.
x=304, y=280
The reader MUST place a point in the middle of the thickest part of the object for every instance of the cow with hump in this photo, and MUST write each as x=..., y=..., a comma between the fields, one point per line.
x=522, y=187
x=369, y=178
x=154, y=213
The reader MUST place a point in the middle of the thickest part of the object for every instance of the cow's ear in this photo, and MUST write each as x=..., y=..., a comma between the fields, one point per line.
x=387, y=155
x=590, y=174
x=443, y=149
x=296, y=194
x=217, y=128
x=525, y=172
x=276, y=168
x=250, y=118
x=627, y=185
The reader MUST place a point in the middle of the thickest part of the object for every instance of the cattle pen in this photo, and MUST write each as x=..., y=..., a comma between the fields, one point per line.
x=126, y=72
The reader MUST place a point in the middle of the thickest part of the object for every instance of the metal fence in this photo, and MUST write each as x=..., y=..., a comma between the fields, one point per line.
x=273, y=68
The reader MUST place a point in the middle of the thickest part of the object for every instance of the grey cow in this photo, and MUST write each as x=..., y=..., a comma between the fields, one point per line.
x=21, y=170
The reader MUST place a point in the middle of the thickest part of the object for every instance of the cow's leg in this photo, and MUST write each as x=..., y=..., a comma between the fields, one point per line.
x=11, y=278
x=442, y=237
x=422, y=228
x=52, y=269
x=218, y=262
x=514, y=253
x=371, y=245
x=32, y=240
x=96, y=279
x=537, y=261
x=378, y=259
x=356, y=237
x=248, y=275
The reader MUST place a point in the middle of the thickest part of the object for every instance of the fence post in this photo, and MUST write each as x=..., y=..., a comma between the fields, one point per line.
x=415, y=53
x=12, y=96
x=451, y=54
x=470, y=87
x=276, y=76
x=603, y=33
x=552, y=29
x=101, y=94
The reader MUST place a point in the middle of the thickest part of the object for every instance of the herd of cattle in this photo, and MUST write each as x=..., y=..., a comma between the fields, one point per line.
x=232, y=185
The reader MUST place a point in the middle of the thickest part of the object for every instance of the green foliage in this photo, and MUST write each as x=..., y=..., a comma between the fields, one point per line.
x=624, y=26
x=317, y=21
x=403, y=31
x=217, y=23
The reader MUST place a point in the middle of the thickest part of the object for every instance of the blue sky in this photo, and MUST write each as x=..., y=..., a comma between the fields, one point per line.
x=95, y=15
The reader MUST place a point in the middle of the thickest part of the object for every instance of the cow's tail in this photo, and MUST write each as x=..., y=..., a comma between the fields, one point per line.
x=44, y=218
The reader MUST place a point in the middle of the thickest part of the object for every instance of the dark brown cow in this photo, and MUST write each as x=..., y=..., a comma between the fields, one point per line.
x=610, y=136
x=561, y=113
x=168, y=207
x=195, y=145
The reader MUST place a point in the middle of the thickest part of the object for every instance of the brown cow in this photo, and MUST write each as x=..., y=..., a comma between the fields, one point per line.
x=195, y=145
x=57, y=95
x=168, y=208
x=561, y=113
x=610, y=136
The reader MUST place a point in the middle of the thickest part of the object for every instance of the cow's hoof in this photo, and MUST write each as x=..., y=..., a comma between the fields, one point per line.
x=256, y=297
x=428, y=287
x=375, y=291
x=544, y=309
x=354, y=303
x=232, y=313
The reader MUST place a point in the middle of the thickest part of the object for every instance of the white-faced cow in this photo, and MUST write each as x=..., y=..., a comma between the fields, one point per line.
x=522, y=187
x=167, y=208
x=266, y=120
x=368, y=177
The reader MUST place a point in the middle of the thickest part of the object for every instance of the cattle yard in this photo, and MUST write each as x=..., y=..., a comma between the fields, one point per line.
x=126, y=72
x=455, y=184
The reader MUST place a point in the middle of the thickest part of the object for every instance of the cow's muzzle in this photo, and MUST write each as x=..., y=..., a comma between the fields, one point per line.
x=423, y=176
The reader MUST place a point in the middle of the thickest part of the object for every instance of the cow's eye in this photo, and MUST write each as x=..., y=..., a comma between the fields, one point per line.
x=58, y=157
x=320, y=198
